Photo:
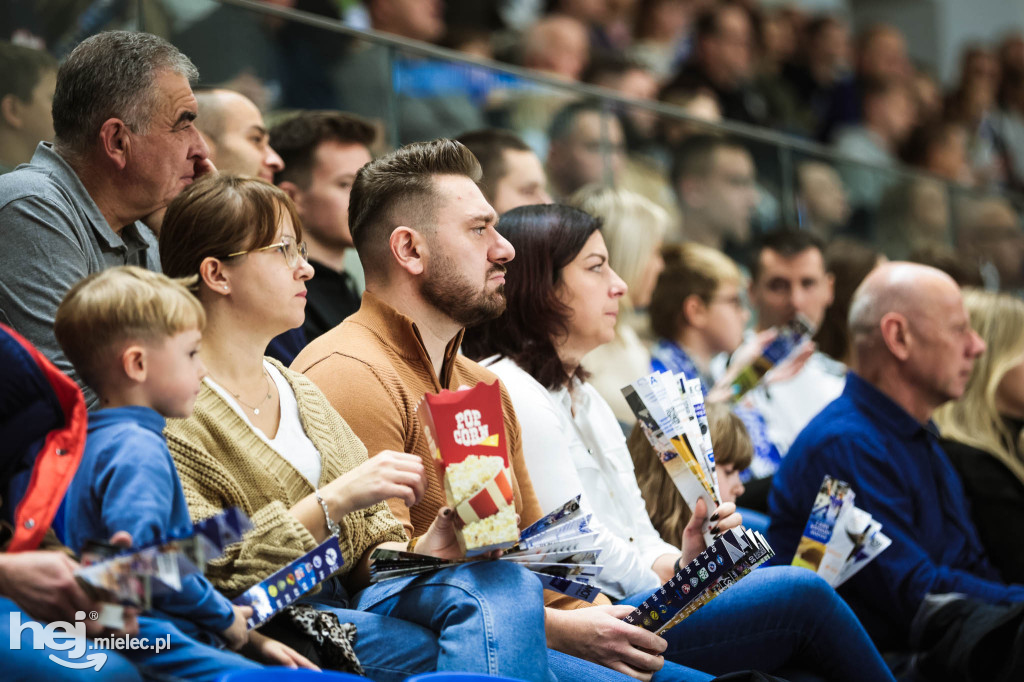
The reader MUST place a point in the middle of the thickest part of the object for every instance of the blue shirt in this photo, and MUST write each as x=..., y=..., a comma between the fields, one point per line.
x=127, y=481
x=902, y=477
x=666, y=356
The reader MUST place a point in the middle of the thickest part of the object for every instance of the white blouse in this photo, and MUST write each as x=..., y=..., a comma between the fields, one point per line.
x=290, y=441
x=587, y=454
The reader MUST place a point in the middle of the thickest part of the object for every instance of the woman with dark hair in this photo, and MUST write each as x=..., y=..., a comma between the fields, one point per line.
x=563, y=302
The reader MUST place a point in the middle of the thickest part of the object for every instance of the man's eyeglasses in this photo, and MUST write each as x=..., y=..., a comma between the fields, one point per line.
x=291, y=249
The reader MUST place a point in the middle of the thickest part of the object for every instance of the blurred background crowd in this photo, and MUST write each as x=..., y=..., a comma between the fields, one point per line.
x=811, y=115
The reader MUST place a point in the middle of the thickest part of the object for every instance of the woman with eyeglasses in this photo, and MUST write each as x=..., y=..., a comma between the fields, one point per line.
x=562, y=302
x=264, y=439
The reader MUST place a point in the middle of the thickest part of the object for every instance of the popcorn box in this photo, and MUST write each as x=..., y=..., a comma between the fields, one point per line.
x=466, y=433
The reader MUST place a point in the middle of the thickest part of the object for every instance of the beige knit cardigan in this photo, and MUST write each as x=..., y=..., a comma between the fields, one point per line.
x=223, y=463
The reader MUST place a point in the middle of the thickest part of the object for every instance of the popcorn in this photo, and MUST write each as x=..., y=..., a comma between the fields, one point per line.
x=466, y=432
x=469, y=475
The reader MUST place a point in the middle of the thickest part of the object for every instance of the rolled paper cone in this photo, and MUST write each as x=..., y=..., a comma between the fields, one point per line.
x=496, y=494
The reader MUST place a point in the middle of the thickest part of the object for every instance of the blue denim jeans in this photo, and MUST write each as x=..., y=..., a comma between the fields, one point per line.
x=187, y=658
x=485, y=617
x=776, y=619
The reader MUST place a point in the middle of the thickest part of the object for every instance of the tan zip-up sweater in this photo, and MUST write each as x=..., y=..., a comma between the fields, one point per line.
x=374, y=370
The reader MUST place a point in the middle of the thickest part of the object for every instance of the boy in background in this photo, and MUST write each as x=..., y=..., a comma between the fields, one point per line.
x=133, y=335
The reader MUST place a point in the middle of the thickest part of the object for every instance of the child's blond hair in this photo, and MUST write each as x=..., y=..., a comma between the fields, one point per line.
x=669, y=513
x=108, y=308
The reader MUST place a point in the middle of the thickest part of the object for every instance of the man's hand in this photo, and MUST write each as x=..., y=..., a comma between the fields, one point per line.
x=792, y=365
x=389, y=474
x=724, y=518
x=237, y=634
x=742, y=357
x=43, y=584
x=272, y=652
x=598, y=634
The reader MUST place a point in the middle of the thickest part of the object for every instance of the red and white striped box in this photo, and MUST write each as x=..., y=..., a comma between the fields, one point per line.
x=466, y=432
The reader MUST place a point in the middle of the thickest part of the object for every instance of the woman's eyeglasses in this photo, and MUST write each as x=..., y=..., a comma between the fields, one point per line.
x=291, y=249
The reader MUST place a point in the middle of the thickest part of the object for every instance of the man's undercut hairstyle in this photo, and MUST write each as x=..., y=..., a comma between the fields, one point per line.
x=111, y=75
x=399, y=189
x=119, y=305
x=21, y=69
x=694, y=157
x=489, y=146
x=787, y=243
x=296, y=139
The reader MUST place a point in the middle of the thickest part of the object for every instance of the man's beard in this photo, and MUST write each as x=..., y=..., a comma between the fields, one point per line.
x=448, y=291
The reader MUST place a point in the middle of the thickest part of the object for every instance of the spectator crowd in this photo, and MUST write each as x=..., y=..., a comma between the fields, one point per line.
x=221, y=287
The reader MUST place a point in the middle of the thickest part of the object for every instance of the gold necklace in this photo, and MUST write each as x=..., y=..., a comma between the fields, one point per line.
x=256, y=409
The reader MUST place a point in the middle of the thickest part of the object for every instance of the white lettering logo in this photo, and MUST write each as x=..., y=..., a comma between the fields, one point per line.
x=59, y=636
x=70, y=637
x=469, y=430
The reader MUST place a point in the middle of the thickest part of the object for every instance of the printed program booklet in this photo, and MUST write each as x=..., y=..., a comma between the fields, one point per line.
x=728, y=559
x=839, y=539
x=119, y=577
x=559, y=548
x=670, y=409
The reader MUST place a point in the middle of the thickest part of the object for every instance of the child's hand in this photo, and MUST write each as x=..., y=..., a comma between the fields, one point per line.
x=238, y=633
x=267, y=650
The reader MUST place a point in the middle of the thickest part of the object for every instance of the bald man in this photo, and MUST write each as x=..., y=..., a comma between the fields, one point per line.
x=913, y=349
x=233, y=129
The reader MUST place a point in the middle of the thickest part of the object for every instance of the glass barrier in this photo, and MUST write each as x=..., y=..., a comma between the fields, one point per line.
x=756, y=181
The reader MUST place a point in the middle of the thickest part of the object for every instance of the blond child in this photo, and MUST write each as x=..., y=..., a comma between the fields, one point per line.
x=733, y=453
x=133, y=335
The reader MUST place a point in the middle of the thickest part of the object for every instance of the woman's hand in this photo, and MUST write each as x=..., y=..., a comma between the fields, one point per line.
x=272, y=652
x=440, y=541
x=389, y=474
x=724, y=518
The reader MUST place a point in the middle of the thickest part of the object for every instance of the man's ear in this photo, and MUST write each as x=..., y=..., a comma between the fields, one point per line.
x=691, y=191
x=694, y=311
x=214, y=276
x=10, y=111
x=896, y=335
x=134, y=363
x=408, y=248
x=830, y=282
x=293, y=192
x=115, y=138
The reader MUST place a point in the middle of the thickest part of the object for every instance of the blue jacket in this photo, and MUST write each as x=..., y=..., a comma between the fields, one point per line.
x=903, y=478
x=127, y=481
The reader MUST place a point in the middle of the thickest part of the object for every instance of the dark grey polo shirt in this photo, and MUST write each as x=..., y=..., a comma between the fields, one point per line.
x=52, y=234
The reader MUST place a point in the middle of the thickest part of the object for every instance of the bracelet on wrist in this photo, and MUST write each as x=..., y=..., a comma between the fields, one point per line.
x=676, y=567
x=332, y=526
